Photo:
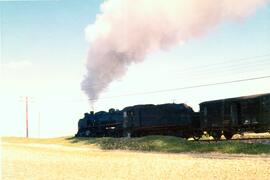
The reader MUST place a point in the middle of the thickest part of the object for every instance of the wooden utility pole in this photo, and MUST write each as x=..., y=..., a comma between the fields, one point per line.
x=26, y=102
x=26, y=113
x=39, y=124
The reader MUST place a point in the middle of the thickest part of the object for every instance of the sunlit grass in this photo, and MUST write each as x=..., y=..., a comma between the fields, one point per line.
x=166, y=144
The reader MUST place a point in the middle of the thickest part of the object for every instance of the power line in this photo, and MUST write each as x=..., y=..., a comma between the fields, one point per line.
x=262, y=67
x=217, y=74
x=209, y=67
x=187, y=87
x=243, y=59
x=165, y=90
x=229, y=66
x=213, y=72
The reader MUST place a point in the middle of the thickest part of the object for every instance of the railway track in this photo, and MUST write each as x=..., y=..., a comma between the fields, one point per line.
x=264, y=140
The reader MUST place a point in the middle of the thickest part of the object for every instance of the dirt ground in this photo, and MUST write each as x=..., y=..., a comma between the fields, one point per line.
x=35, y=161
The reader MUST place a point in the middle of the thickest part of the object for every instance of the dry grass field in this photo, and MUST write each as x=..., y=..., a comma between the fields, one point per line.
x=55, y=161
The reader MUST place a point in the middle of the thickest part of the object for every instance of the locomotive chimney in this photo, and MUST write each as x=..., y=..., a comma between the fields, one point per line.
x=92, y=112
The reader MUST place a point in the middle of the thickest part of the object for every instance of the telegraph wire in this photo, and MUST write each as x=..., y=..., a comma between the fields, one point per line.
x=187, y=87
x=225, y=72
x=164, y=90
x=217, y=72
x=230, y=66
x=208, y=67
x=244, y=59
x=184, y=88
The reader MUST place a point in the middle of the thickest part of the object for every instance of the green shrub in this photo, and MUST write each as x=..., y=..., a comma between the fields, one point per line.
x=174, y=145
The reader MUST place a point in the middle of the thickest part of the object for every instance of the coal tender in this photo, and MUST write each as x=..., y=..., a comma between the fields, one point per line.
x=165, y=119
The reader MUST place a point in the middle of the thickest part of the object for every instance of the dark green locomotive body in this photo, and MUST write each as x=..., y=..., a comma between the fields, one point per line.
x=164, y=119
x=101, y=124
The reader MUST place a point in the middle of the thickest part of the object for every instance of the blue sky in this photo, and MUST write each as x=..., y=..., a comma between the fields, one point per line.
x=43, y=49
x=54, y=27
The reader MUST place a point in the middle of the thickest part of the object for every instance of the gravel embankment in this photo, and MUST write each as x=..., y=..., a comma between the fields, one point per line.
x=60, y=162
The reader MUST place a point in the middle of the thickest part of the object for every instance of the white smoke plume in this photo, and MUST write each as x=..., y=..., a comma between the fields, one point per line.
x=127, y=30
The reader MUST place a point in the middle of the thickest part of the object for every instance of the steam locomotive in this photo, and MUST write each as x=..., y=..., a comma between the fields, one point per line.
x=215, y=118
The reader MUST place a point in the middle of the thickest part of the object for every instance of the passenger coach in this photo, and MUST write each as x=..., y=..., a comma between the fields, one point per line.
x=236, y=115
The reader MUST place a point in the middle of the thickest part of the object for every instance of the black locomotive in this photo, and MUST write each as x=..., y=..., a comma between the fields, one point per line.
x=216, y=118
x=101, y=124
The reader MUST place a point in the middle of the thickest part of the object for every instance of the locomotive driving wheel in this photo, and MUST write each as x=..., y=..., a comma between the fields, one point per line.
x=216, y=135
x=228, y=135
x=196, y=138
x=87, y=133
x=197, y=135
